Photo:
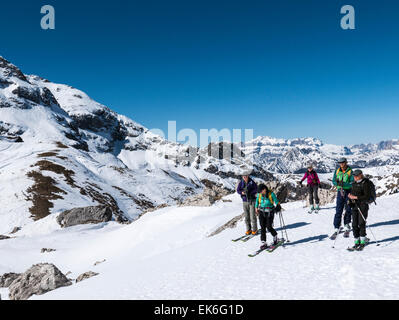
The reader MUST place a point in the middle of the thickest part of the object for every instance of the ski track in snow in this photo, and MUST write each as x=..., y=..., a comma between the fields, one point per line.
x=167, y=255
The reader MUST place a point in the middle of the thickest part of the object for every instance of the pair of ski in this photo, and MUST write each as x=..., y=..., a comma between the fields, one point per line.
x=246, y=237
x=269, y=249
x=346, y=235
x=359, y=248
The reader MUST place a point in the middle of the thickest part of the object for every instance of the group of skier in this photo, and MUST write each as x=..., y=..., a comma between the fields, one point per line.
x=354, y=194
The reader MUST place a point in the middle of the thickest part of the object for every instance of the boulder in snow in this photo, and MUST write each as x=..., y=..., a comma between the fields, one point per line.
x=86, y=275
x=94, y=214
x=7, y=279
x=38, y=279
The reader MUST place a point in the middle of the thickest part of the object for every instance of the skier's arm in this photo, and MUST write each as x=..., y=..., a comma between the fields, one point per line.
x=351, y=179
x=275, y=200
x=239, y=189
x=304, y=177
x=334, y=180
x=317, y=178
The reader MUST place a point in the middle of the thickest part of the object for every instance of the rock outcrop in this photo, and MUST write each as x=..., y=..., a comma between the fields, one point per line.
x=85, y=215
x=86, y=275
x=211, y=194
x=7, y=279
x=230, y=224
x=38, y=279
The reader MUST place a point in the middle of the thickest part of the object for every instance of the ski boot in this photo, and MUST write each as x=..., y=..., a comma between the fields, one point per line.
x=363, y=242
x=335, y=234
x=356, y=246
x=311, y=209
x=264, y=245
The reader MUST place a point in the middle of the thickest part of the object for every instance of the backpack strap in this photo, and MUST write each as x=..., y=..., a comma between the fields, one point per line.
x=271, y=198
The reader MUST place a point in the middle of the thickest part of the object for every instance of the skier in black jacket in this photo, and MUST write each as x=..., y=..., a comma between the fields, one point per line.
x=359, y=199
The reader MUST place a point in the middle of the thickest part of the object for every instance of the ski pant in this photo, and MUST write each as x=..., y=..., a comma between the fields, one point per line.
x=266, y=222
x=342, y=202
x=313, y=194
x=358, y=223
x=250, y=216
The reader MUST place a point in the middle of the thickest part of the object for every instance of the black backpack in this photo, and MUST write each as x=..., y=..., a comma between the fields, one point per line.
x=373, y=193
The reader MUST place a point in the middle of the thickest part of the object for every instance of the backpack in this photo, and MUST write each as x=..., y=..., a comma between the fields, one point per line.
x=269, y=196
x=373, y=192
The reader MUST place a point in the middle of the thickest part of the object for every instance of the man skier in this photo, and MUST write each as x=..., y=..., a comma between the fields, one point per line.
x=313, y=187
x=265, y=206
x=342, y=180
x=359, y=199
x=247, y=189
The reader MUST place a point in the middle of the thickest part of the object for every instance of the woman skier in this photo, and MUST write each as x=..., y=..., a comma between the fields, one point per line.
x=265, y=205
x=313, y=188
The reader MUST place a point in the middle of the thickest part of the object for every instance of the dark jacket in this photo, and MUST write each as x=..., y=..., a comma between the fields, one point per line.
x=250, y=188
x=362, y=190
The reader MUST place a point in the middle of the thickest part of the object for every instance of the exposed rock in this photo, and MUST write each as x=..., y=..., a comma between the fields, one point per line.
x=47, y=250
x=85, y=215
x=98, y=262
x=10, y=70
x=15, y=230
x=211, y=194
x=230, y=224
x=7, y=279
x=38, y=279
x=86, y=275
x=4, y=237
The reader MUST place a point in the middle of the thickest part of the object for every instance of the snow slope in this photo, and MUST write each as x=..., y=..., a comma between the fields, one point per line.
x=167, y=255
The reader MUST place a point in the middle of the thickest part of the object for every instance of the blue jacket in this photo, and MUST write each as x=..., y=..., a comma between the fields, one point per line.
x=252, y=190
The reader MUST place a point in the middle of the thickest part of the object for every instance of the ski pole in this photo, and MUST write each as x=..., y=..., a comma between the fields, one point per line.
x=336, y=236
x=367, y=225
x=281, y=227
x=285, y=227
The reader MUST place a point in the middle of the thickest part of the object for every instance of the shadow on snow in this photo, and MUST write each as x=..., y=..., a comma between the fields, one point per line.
x=318, y=238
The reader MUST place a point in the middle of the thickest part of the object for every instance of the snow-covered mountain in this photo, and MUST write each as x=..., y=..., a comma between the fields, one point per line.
x=60, y=149
x=293, y=155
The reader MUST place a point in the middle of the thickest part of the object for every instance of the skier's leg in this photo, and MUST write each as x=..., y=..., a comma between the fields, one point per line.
x=270, y=218
x=310, y=191
x=245, y=206
x=339, y=210
x=262, y=222
x=362, y=222
x=348, y=209
x=254, y=222
x=355, y=223
x=316, y=194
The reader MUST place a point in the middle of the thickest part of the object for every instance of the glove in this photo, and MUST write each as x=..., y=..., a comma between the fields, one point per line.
x=300, y=182
x=277, y=208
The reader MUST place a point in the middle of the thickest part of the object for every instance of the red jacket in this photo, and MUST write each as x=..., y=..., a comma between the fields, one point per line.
x=312, y=178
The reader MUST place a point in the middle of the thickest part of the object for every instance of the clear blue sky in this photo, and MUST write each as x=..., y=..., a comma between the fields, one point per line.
x=283, y=68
